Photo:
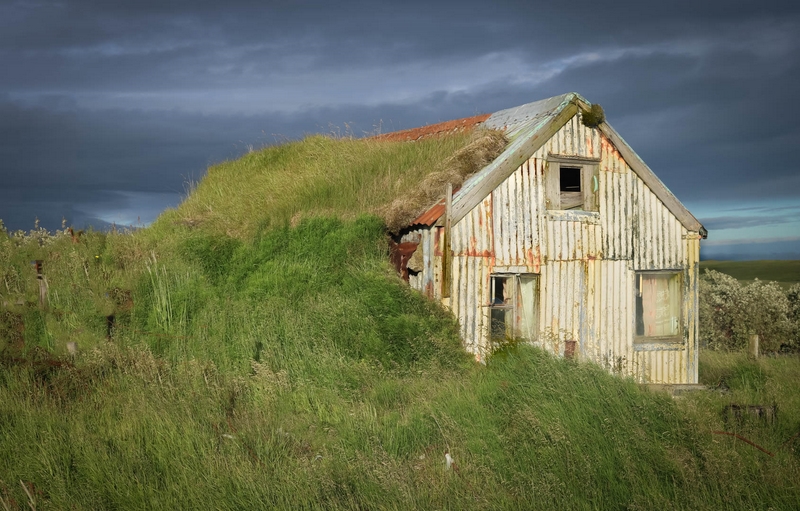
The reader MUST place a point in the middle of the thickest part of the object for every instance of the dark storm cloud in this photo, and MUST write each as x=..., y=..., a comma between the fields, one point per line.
x=57, y=160
x=704, y=123
x=103, y=45
x=100, y=101
x=23, y=207
x=738, y=222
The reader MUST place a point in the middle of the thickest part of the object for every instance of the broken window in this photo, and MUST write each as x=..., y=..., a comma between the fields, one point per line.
x=658, y=305
x=572, y=184
x=514, y=309
x=570, y=187
x=501, y=307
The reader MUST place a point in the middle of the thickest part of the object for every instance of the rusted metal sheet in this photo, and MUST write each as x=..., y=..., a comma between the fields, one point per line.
x=420, y=280
x=400, y=254
x=429, y=217
x=562, y=304
x=572, y=236
x=432, y=130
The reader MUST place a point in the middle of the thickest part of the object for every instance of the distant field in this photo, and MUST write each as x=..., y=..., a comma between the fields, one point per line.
x=784, y=272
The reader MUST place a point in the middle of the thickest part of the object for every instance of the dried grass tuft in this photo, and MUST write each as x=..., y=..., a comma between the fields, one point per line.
x=483, y=148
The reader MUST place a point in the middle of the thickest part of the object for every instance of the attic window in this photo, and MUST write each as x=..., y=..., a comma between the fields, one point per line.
x=570, y=188
x=572, y=183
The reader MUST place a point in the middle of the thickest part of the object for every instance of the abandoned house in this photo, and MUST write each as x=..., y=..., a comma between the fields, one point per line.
x=567, y=240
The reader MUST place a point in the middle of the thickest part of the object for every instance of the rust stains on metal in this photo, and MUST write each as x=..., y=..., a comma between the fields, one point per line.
x=533, y=258
x=400, y=254
x=433, y=130
x=430, y=217
x=488, y=254
x=429, y=289
x=588, y=143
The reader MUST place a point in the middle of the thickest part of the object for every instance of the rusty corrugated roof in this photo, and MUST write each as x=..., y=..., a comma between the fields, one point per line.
x=441, y=128
x=429, y=217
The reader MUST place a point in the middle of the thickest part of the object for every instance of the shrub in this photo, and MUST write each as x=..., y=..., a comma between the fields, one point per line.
x=730, y=312
x=793, y=295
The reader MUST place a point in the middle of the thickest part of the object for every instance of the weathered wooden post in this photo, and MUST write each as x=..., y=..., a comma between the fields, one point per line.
x=447, y=254
x=37, y=264
x=753, y=345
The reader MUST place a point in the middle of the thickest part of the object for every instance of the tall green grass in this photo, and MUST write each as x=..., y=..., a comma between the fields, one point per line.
x=128, y=430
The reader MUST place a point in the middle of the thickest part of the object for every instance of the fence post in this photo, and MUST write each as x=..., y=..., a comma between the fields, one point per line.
x=447, y=253
x=37, y=265
x=753, y=345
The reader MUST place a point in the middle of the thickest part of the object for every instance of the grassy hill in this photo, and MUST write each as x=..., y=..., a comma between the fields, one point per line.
x=252, y=349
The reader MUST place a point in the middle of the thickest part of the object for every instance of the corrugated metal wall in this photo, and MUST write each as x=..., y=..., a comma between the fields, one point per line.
x=587, y=262
x=472, y=262
x=425, y=280
x=516, y=209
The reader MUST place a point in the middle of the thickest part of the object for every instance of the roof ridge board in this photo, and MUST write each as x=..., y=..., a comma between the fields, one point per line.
x=515, y=119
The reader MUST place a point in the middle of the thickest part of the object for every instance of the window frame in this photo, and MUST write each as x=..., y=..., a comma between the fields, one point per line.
x=510, y=304
x=674, y=339
x=590, y=182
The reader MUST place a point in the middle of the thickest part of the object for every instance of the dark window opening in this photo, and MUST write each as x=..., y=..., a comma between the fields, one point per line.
x=498, y=324
x=570, y=179
x=570, y=185
x=499, y=297
x=500, y=306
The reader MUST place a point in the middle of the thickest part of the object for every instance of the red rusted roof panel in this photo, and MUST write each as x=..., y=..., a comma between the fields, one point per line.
x=456, y=126
x=430, y=217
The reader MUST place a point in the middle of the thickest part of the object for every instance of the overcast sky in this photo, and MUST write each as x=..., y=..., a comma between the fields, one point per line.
x=108, y=110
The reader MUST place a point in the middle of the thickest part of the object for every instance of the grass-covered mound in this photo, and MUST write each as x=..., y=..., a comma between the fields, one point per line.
x=339, y=177
x=253, y=350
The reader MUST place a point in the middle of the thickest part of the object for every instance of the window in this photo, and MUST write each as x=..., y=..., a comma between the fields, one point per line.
x=514, y=307
x=571, y=195
x=658, y=306
x=571, y=184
